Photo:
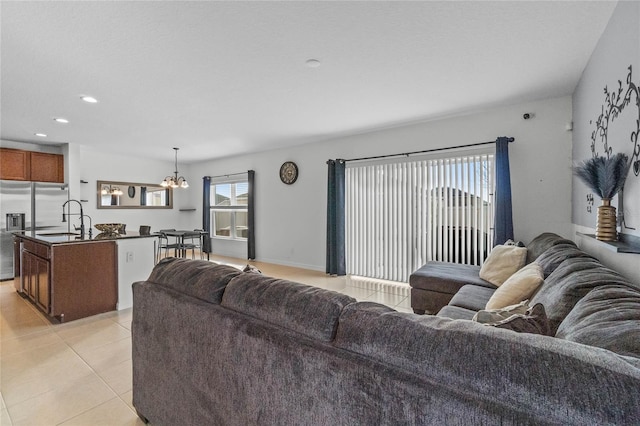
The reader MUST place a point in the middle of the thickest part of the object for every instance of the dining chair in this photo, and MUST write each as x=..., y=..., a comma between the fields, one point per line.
x=163, y=244
x=193, y=242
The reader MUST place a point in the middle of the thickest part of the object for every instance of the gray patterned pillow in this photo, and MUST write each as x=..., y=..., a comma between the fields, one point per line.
x=496, y=315
x=251, y=269
x=533, y=320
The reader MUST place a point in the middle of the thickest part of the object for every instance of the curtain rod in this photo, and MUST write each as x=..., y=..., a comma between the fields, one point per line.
x=227, y=175
x=425, y=151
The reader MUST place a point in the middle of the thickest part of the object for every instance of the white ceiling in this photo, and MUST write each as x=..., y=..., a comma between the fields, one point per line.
x=222, y=78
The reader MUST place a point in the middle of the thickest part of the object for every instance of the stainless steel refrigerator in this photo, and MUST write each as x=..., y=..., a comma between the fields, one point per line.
x=31, y=207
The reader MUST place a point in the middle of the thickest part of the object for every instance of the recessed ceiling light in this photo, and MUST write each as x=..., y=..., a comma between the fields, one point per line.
x=61, y=120
x=89, y=99
x=41, y=135
x=313, y=63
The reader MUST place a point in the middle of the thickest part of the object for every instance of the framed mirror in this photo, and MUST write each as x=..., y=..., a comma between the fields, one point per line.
x=131, y=195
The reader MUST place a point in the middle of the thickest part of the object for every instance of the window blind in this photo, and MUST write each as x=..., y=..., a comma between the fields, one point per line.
x=399, y=215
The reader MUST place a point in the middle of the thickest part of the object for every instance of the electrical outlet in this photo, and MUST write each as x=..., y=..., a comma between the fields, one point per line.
x=129, y=257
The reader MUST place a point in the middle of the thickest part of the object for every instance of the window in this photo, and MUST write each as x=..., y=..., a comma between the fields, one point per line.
x=156, y=196
x=402, y=214
x=229, y=216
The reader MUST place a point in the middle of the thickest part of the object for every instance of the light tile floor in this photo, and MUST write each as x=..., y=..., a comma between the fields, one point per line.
x=79, y=373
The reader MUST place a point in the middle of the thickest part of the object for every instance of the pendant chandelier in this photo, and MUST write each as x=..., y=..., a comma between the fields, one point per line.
x=175, y=181
x=111, y=190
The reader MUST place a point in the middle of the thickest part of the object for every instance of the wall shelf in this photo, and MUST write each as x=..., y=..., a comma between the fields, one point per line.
x=626, y=244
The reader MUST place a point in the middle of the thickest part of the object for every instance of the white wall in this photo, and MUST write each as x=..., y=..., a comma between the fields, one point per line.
x=290, y=219
x=136, y=259
x=91, y=166
x=85, y=163
x=51, y=149
x=618, y=48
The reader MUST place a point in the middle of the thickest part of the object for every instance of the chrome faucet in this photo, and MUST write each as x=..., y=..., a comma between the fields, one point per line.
x=81, y=214
x=90, y=224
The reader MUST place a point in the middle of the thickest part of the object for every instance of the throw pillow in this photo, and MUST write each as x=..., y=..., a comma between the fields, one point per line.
x=518, y=287
x=534, y=320
x=495, y=315
x=514, y=243
x=251, y=269
x=502, y=262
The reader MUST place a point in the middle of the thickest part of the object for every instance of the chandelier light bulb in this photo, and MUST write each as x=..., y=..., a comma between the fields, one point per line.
x=175, y=181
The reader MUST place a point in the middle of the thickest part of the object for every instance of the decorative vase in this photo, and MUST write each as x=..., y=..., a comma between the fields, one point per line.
x=606, y=226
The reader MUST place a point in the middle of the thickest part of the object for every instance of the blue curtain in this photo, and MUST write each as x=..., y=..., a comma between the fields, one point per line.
x=206, y=213
x=251, y=236
x=336, y=264
x=504, y=218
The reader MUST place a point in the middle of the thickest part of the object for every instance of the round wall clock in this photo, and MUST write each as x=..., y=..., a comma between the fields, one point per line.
x=288, y=172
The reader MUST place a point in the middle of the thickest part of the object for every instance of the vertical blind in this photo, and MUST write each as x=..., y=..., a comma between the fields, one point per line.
x=402, y=214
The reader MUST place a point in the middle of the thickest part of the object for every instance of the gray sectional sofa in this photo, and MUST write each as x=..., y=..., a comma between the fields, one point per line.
x=435, y=284
x=216, y=346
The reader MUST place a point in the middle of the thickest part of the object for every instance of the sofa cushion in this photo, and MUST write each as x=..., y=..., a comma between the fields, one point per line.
x=569, y=283
x=198, y=278
x=305, y=309
x=472, y=297
x=542, y=242
x=445, y=277
x=534, y=320
x=518, y=287
x=607, y=317
x=555, y=255
x=502, y=262
x=456, y=312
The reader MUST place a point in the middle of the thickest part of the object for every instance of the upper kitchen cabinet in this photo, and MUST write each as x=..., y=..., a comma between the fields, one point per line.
x=16, y=164
x=47, y=167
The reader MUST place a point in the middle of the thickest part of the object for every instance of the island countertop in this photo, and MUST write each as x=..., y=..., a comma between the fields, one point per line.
x=69, y=277
x=62, y=237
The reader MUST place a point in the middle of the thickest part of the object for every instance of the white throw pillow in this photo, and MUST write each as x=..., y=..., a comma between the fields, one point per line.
x=502, y=262
x=520, y=286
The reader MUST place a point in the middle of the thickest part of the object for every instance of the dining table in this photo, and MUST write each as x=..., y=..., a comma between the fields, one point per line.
x=180, y=235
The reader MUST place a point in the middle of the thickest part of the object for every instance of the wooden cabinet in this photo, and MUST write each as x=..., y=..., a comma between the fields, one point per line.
x=47, y=167
x=71, y=280
x=84, y=279
x=35, y=273
x=16, y=164
x=26, y=275
x=43, y=294
x=17, y=271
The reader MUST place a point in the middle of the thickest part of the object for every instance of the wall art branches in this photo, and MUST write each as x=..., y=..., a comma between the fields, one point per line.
x=616, y=101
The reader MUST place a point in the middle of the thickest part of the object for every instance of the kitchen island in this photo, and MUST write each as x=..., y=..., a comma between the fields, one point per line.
x=69, y=276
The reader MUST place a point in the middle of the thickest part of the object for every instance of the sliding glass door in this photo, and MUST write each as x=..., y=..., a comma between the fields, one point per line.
x=401, y=214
